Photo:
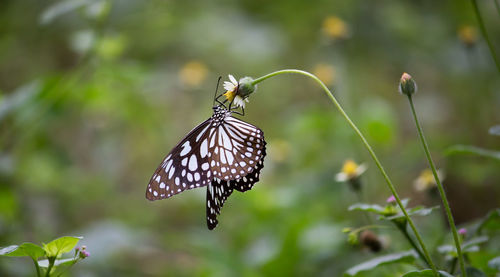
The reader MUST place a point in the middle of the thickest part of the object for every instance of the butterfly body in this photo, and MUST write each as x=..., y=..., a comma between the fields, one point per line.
x=222, y=153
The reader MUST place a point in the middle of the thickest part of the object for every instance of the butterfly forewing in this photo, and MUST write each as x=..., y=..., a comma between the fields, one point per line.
x=185, y=167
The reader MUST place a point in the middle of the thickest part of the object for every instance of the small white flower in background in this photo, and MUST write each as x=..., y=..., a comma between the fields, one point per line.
x=231, y=92
x=350, y=170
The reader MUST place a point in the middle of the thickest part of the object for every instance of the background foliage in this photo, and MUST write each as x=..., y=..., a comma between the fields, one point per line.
x=94, y=93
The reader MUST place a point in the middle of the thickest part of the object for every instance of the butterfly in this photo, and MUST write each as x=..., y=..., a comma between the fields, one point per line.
x=222, y=153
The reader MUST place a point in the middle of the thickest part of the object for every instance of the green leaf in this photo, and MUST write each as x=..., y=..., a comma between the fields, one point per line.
x=475, y=241
x=26, y=249
x=374, y=208
x=12, y=251
x=490, y=221
x=469, y=149
x=60, y=246
x=402, y=257
x=33, y=250
x=474, y=272
x=68, y=261
x=495, y=263
x=420, y=211
x=426, y=273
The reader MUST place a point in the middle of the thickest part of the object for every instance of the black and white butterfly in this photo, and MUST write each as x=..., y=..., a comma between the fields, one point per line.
x=223, y=153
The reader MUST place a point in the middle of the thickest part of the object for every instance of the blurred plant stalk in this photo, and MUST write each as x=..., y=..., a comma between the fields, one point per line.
x=485, y=33
x=368, y=147
x=408, y=87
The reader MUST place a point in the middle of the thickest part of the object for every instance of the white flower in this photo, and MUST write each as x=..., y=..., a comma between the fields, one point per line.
x=239, y=102
x=231, y=93
x=230, y=86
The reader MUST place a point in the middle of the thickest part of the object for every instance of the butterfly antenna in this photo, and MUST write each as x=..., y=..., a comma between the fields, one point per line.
x=216, y=89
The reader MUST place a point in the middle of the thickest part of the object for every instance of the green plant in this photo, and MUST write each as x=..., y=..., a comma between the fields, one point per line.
x=48, y=258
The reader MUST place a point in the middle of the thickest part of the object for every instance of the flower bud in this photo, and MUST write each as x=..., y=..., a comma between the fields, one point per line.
x=84, y=254
x=462, y=232
x=391, y=199
x=245, y=87
x=371, y=240
x=407, y=85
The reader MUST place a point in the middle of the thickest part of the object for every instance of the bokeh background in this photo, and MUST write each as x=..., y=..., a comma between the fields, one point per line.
x=94, y=93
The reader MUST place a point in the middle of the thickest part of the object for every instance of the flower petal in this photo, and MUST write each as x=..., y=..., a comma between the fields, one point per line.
x=233, y=80
x=229, y=86
x=341, y=177
x=361, y=169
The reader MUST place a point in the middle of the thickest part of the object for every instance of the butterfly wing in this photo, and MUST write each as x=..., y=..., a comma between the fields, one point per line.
x=247, y=182
x=185, y=167
x=237, y=146
x=219, y=190
x=217, y=193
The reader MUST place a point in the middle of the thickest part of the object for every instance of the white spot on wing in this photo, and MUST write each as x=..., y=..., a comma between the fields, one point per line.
x=204, y=148
x=193, y=163
x=185, y=148
x=171, y=172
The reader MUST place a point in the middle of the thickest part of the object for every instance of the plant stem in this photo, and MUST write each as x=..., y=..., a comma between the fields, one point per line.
x=403, y=230
x=485, y=34
x=51, y=264
x=38, y=273
x=442, y=193
x=453, y=266
x=497, y=6
x=368, y=147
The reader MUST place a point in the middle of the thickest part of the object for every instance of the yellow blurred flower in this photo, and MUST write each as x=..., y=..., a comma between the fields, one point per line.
x=350, y=170
x=335, y=28
x=468, y=35
x=325, y=73
x=426, y=180
x=193, y=73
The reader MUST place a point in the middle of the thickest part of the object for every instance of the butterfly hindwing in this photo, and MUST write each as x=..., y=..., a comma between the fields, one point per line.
x=238, y=146
x=219, y=190
x=247, y=182
x=217, y=193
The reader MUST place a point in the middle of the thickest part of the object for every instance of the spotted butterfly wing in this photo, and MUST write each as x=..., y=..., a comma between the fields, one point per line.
x=183, y=168
x=219, y=190
x=222, y=148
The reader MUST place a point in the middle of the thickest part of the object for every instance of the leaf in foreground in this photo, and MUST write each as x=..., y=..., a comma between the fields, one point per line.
x=426, y=273
x=60, y=246
x=26, y=249
x=402, y=257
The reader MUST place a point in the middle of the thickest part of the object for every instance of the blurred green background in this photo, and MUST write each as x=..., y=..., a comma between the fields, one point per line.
x=94, y=93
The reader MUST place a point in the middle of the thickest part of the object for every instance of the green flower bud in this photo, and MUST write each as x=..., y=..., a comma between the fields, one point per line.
x=245, y=87
x=407, y=85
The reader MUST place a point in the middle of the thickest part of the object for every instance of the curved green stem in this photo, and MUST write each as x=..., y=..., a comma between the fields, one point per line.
x=368, y=147
x=485, y=34
x=442, y=193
